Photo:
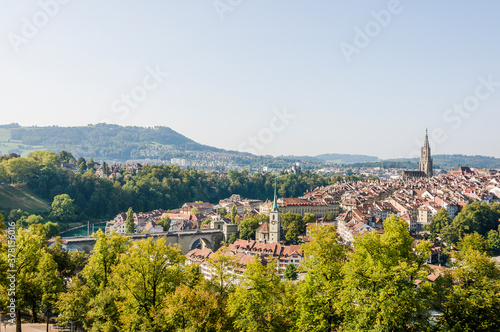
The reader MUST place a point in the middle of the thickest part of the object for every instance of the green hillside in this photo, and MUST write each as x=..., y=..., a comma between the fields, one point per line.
x=100, y=141
x=18, y=196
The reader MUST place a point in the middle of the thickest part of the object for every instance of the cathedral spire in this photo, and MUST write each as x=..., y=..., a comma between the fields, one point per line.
x=425, y=164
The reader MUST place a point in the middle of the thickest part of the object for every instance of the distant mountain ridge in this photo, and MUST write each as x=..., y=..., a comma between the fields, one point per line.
x=119, y=144
x=457, y=160
x=103, y=141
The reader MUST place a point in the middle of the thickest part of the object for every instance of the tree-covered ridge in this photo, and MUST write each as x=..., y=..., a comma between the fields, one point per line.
x=456, y=160
x=153, y=187
x=105, y=141
x=120, y=144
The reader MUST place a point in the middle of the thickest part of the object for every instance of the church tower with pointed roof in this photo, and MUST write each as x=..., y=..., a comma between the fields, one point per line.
x=274, y=221
x=425, y=157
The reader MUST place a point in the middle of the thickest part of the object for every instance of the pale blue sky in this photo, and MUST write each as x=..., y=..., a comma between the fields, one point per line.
x=228, y=76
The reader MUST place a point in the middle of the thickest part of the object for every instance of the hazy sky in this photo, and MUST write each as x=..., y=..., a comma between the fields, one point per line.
x=272, y=77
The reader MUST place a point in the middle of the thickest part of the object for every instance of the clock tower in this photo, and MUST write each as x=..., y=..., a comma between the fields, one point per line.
x=274, y=221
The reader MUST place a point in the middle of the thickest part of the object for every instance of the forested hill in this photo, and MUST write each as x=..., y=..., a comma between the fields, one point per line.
x=448, y=161
x=103, y=141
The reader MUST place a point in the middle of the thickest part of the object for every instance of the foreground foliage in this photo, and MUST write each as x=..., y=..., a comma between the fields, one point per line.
x=378, y=285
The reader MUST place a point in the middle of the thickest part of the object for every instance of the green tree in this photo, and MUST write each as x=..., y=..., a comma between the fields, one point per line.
x=234, y=213
x=222, y=212
x=82, y=167
x=294, y=225
x=450, y=235
x=439, y=221
x=34, y=219
x=68, y=262
x=45, y=157
x=476, y=217
x=50, y=285
x=222, y=282
x=378, y=291
x=308, y=218
x=91, y=299
x=471, y=288
x=65, y=156
x=494, y=240
x=293, y=218
x=330, y=216
x=144, y=277
x=80, y=161
x=165, y=223
x=233, y=237
x=318, y=296
x=16, y=214
x=63, y=209
x=195, y=309
x=51, y=229
x=248, y=226
x=5, y=176
x=476, y=242
x=261, y=302
x=36, y=273
x=129, y=222
x=292, y=233
x=105, y=169
x=91, y=164
x=20, y=169
x=194, y=210
x=290, y=272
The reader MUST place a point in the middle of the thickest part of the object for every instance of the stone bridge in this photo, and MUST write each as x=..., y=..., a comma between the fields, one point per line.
x=187, y=240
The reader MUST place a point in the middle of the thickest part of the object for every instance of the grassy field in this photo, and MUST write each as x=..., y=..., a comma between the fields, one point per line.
x=18, y=196
x=4, y=134
x=7, y=144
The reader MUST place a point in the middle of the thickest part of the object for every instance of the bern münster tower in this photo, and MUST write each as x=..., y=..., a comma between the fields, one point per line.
x=425, y=158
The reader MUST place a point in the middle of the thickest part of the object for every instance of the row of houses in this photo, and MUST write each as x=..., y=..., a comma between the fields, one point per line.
x=245, y=251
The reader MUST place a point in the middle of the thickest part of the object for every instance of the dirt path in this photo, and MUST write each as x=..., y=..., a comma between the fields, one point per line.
x=28, y=328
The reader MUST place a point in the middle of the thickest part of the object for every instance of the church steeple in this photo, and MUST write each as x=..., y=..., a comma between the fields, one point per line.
x=274, y=220
x=425, y=157
x=426, y=142
x=275, y=202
